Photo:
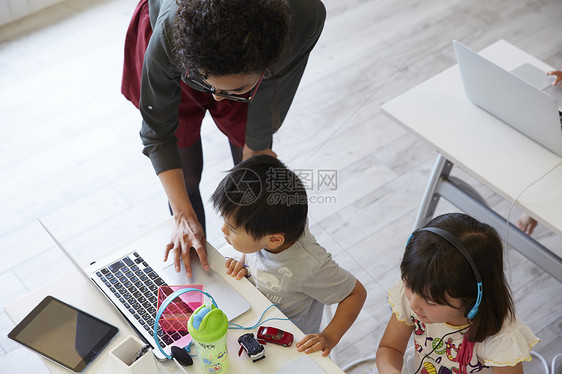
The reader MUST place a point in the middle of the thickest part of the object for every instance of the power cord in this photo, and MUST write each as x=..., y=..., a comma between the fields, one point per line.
x=517, y=198
x=235, y=326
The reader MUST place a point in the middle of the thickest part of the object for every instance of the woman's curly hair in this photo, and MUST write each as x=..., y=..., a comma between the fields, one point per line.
x=224, y=37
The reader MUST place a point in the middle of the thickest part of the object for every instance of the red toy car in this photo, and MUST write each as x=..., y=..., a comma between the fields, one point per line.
x=273, y=335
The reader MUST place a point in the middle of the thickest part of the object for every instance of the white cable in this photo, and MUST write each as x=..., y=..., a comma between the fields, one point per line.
x=540, y=357
x=553, y=367
x=517, y=198
x=506, y=240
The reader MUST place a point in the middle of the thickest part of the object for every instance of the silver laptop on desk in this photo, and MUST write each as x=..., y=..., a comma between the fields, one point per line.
x=517, y=98
x=130, y=278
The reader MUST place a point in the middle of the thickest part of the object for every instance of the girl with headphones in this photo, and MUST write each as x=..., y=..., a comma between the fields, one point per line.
x=454, y=298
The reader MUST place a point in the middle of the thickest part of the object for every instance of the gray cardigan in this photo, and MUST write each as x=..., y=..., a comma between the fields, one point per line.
x=161, y=93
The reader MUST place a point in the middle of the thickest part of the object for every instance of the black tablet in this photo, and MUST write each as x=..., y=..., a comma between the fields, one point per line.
x=63, y=334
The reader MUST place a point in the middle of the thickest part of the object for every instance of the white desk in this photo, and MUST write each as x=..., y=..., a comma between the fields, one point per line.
x=76, y=290
x=438, y=111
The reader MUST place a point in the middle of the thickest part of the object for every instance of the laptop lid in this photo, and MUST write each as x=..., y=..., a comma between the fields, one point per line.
x=509, y=98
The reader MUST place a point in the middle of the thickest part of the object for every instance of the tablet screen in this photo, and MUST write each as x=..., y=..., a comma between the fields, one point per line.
x=63, y=334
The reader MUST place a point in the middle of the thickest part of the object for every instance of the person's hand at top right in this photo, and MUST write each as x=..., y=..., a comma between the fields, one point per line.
x=557, y=74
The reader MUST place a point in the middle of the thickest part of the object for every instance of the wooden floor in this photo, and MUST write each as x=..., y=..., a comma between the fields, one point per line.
x=70, y=152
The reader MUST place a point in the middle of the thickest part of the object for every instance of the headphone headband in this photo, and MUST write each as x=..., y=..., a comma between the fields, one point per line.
x=455, y=242
x=164, y=305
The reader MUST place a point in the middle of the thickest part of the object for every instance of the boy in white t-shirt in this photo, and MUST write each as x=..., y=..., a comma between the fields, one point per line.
x=264, y=207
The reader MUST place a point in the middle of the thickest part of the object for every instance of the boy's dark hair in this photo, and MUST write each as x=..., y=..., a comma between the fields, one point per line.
x=434, y=268
x=262, y=196
x=224, y=37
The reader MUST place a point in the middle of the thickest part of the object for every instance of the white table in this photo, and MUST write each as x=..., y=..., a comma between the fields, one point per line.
x=498, y=156
x=76, y=290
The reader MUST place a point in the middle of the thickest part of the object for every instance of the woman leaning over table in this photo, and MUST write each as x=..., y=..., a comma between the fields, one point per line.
x=240, y=60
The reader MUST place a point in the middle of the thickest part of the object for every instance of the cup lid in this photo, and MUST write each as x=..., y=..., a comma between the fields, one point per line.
x=211, y=327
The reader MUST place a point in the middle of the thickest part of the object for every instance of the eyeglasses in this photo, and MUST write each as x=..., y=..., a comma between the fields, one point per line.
x=196, y=81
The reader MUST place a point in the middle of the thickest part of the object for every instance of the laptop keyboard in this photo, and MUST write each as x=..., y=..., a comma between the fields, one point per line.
x=135, y=284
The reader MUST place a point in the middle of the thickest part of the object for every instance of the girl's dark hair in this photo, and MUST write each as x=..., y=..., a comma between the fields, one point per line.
x=224, y=37
x=262, y=196
x=435, y=269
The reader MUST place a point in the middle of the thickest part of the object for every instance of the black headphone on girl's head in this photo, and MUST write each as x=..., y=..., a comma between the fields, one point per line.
x=471, y=311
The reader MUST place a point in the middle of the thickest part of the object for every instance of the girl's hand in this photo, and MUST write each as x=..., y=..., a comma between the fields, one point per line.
x=316, y=342
x=390, y=355
x=236, y=268
x=187, y=234
x=557, y=74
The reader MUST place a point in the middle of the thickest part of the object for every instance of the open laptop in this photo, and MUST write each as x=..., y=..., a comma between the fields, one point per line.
x=130, y=278
x=517, y=98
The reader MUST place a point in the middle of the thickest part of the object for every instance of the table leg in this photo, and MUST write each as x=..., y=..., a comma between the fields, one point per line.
x=465, y=198
x=441, y=169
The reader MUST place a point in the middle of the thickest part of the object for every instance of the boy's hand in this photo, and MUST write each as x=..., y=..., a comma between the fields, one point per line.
x=316, y=342
x=346, y=313
x=236, y=268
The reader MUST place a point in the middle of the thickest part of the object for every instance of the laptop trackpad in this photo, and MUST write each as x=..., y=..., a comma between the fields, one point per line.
x=534, y=76
x=226, y=297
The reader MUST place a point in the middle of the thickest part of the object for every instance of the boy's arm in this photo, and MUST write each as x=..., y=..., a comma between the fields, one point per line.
x=346, y=313
x=390, y=354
